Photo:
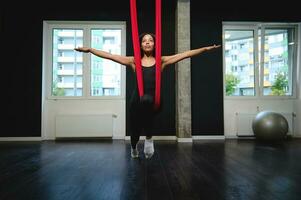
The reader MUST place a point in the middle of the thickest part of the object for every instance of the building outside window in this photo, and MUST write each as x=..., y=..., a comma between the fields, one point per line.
x=70, y=68
x=259, y=60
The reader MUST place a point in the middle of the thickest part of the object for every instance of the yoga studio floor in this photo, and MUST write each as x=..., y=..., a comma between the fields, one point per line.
x=103, y=169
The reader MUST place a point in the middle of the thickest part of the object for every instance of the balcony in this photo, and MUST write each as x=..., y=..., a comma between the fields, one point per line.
x=65, y=46
x=267, y=84
x=63, y=72
x=70, y=59
x=266, y=71
x=70, y=34
x=69, y=85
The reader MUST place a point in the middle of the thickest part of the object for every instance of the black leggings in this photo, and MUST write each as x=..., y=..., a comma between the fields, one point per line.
x=141, y=119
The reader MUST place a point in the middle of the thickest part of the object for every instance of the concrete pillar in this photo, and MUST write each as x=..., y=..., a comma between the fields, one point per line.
x=183, y=86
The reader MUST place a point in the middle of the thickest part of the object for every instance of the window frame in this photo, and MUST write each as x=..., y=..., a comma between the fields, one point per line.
x=258, y=87
x=86, y=26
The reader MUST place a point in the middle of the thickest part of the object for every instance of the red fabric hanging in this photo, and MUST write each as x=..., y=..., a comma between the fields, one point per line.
x=158, y=54
x=137, y=56
x=136, y=45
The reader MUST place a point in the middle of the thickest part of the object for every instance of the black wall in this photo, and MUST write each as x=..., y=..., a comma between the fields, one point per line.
x=21, y=55
x=207, y=78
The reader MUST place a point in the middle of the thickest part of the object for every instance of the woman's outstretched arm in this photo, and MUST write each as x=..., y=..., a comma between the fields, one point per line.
x=123, y=60
x=169, y=60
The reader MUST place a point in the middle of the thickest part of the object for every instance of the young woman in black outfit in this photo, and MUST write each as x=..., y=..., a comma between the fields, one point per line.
x=142, y=111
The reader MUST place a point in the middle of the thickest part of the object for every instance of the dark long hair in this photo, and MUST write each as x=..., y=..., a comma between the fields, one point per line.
x=140, y=39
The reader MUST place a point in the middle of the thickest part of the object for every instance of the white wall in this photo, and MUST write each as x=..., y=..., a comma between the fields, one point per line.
x=231, y=107
x=55, y=107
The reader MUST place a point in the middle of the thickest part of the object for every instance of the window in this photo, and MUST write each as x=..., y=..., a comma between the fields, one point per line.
x=63, y=54
x=259, y=59
x=80, y=75
x=106, y=68
x=239, y=62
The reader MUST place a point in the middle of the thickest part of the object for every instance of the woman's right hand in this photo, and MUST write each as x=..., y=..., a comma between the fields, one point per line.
x=83, y=49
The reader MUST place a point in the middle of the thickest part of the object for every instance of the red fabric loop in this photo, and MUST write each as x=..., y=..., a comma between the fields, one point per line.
x=137, y=56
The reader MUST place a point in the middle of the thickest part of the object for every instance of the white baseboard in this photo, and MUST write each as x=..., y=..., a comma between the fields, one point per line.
x=253, y=137
x=208, y=137
x=118, y=137
x=50, y=138
x=184, y=139
x=232, y=137
x=240, y=138
x=7, y=139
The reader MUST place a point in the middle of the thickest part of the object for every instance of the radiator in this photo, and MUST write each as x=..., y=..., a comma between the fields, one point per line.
x=244, y=123
x=84, y=125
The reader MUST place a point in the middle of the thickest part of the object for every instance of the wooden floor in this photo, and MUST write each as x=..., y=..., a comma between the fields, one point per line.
x=86, y=170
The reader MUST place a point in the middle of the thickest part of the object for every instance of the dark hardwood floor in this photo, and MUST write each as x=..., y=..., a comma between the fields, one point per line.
x=103, y=169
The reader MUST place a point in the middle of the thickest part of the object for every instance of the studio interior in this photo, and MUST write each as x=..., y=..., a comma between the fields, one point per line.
x=151, y=99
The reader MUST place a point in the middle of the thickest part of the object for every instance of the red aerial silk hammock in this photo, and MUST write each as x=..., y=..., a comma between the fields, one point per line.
x=137, y=56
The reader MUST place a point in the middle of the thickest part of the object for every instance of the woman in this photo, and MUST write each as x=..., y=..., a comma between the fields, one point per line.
x=142, y=111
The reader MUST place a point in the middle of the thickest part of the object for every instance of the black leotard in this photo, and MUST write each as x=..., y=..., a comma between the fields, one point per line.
x=149, y=81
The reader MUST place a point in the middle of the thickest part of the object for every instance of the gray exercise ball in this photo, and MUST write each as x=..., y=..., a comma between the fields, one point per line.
x=270, y=125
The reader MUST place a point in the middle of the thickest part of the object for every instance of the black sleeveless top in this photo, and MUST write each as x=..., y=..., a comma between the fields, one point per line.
x=149, y=83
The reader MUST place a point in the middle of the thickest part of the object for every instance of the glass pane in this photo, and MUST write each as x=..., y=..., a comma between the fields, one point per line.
x=105, y=74
x=278, y=61
x=67, y=64
x=239, y=59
